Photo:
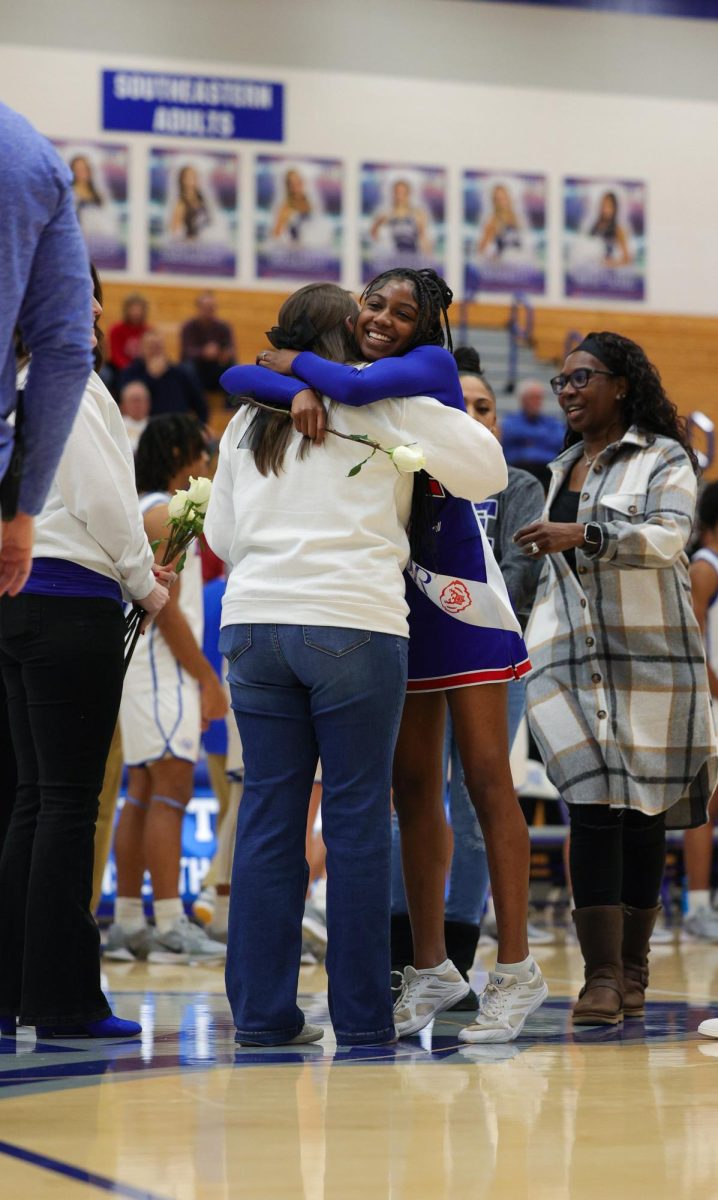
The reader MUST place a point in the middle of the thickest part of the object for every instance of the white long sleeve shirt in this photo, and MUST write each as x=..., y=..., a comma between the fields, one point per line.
x=91, y=515
x=313, y=546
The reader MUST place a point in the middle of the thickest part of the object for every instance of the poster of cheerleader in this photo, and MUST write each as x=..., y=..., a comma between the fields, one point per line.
x=604, y=238
x=100, y=185
x=299, y=221
x=193, y=212
x=504, y=232
x=403, y=218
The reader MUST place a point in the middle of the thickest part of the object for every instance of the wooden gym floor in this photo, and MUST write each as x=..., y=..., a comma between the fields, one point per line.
x=184, y=1114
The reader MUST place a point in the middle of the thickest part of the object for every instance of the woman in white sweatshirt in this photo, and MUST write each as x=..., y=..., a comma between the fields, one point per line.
x=314, y=625
x=61, y=656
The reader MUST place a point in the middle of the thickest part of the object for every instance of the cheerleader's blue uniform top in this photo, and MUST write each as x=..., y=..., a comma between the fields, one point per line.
x=444, y=652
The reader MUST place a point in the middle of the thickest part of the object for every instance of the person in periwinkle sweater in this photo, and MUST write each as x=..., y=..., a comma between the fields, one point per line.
x=46, y=292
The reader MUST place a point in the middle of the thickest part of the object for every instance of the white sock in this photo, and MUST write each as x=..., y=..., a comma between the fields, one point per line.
x=523, y=970
x=221, y=914
x=698, y=899
x=318, y=893
x=130, y=914
x=168, y=913
x=439, y=970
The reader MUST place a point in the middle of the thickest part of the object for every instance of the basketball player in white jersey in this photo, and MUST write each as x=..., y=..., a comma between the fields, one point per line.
x=171, y=692
x=701, y=919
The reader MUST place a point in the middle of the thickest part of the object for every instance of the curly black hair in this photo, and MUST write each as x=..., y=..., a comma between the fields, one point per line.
x=708, y=507
x=433, y=296
x=168, y=443
x=646, y=404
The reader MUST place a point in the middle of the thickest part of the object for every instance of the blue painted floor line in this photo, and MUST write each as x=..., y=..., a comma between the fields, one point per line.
x=77, y=1173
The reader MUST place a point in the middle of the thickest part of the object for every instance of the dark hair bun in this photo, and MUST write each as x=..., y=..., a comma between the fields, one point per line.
x=467, y=360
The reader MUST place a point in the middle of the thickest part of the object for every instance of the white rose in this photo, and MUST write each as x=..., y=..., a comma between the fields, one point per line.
x=408, y=459
x=199, y=492
x=177, y=505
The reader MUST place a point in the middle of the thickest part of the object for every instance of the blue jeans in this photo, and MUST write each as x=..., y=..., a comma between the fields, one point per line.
x=300, y=693
x=469, y=874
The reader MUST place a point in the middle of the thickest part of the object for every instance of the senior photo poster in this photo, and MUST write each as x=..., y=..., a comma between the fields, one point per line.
x=100, y=180
x=299, y=217
x=403, y=217
x=504, y=232
x=604, y=238
x=193, y=212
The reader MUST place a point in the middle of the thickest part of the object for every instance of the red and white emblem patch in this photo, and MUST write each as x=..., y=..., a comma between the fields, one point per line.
x=455, y=597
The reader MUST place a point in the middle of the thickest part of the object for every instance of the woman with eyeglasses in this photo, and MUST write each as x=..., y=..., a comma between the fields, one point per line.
x=618, y=698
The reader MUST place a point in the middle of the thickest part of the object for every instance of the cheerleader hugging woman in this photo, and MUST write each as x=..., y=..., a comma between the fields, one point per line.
x=400, y=334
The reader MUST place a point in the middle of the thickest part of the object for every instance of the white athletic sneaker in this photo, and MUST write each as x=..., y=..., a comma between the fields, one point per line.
x=314, y=930
x=424, y=994
x=709, y=1028
x=504, y=1007
x=702, y=925
x=185, y=943
x=204, y=905
x=121, y=946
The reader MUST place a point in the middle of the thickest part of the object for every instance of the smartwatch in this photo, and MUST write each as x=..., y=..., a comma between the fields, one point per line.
x=592, y=538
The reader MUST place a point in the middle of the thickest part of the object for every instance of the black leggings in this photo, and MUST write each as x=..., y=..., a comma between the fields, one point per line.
x=617, y=856
x=61, y=660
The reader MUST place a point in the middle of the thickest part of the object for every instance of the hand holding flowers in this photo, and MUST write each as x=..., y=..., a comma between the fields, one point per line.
x=186, y=511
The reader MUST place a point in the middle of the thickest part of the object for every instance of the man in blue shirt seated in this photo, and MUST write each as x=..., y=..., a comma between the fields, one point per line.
x=531, y=438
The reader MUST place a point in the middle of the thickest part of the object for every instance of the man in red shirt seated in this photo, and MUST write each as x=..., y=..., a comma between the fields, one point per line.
x=208, y=343
x=126, y=336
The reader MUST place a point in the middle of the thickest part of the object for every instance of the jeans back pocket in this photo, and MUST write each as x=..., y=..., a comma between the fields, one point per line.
x=234, y=640
x=335, y=641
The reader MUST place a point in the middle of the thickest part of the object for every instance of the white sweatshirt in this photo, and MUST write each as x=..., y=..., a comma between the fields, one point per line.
x=92, y=515
x=314, y=547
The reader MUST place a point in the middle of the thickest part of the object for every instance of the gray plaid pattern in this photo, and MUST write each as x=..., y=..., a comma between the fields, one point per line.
x=618, y=697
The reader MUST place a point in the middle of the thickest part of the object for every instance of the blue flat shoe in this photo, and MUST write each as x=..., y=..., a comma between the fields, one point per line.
x=109, y=1027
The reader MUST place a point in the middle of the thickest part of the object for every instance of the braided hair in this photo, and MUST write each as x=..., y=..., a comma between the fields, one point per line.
x=646, y=404
x=167, y=444
x=433, y=297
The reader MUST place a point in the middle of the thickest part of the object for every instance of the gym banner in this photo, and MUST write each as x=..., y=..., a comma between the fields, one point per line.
x=504, y=232
x=193, y=212
x=192, y=105
x=403, y=218
x=705, y=9
x=604, y=238
x=100, y=187
x=299, y=220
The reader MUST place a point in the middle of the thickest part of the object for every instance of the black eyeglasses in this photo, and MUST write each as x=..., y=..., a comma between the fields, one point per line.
x=578, y=379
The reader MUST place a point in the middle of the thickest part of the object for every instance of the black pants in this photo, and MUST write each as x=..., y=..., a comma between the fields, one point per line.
x=61, y=660
x=8, y=772
x=617, y=856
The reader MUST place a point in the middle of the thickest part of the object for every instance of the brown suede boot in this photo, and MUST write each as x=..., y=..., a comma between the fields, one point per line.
x=600, y=934
x=637, y=929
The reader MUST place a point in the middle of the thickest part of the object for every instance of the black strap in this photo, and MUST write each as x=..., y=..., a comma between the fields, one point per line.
x=10, y=482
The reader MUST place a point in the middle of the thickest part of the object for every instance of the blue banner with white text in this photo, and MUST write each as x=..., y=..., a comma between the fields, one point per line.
x=195, y=106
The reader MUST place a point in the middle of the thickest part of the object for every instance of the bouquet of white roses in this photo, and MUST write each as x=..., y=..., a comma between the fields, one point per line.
x=186, y=511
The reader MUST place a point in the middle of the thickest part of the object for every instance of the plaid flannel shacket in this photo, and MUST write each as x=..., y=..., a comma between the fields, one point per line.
x=618, y=697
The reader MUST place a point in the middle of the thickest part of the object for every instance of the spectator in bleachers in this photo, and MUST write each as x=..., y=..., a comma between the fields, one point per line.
x=208, y=343
x=135, y=405
x=532, y=438
x=126, y=336
x=172, y=388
